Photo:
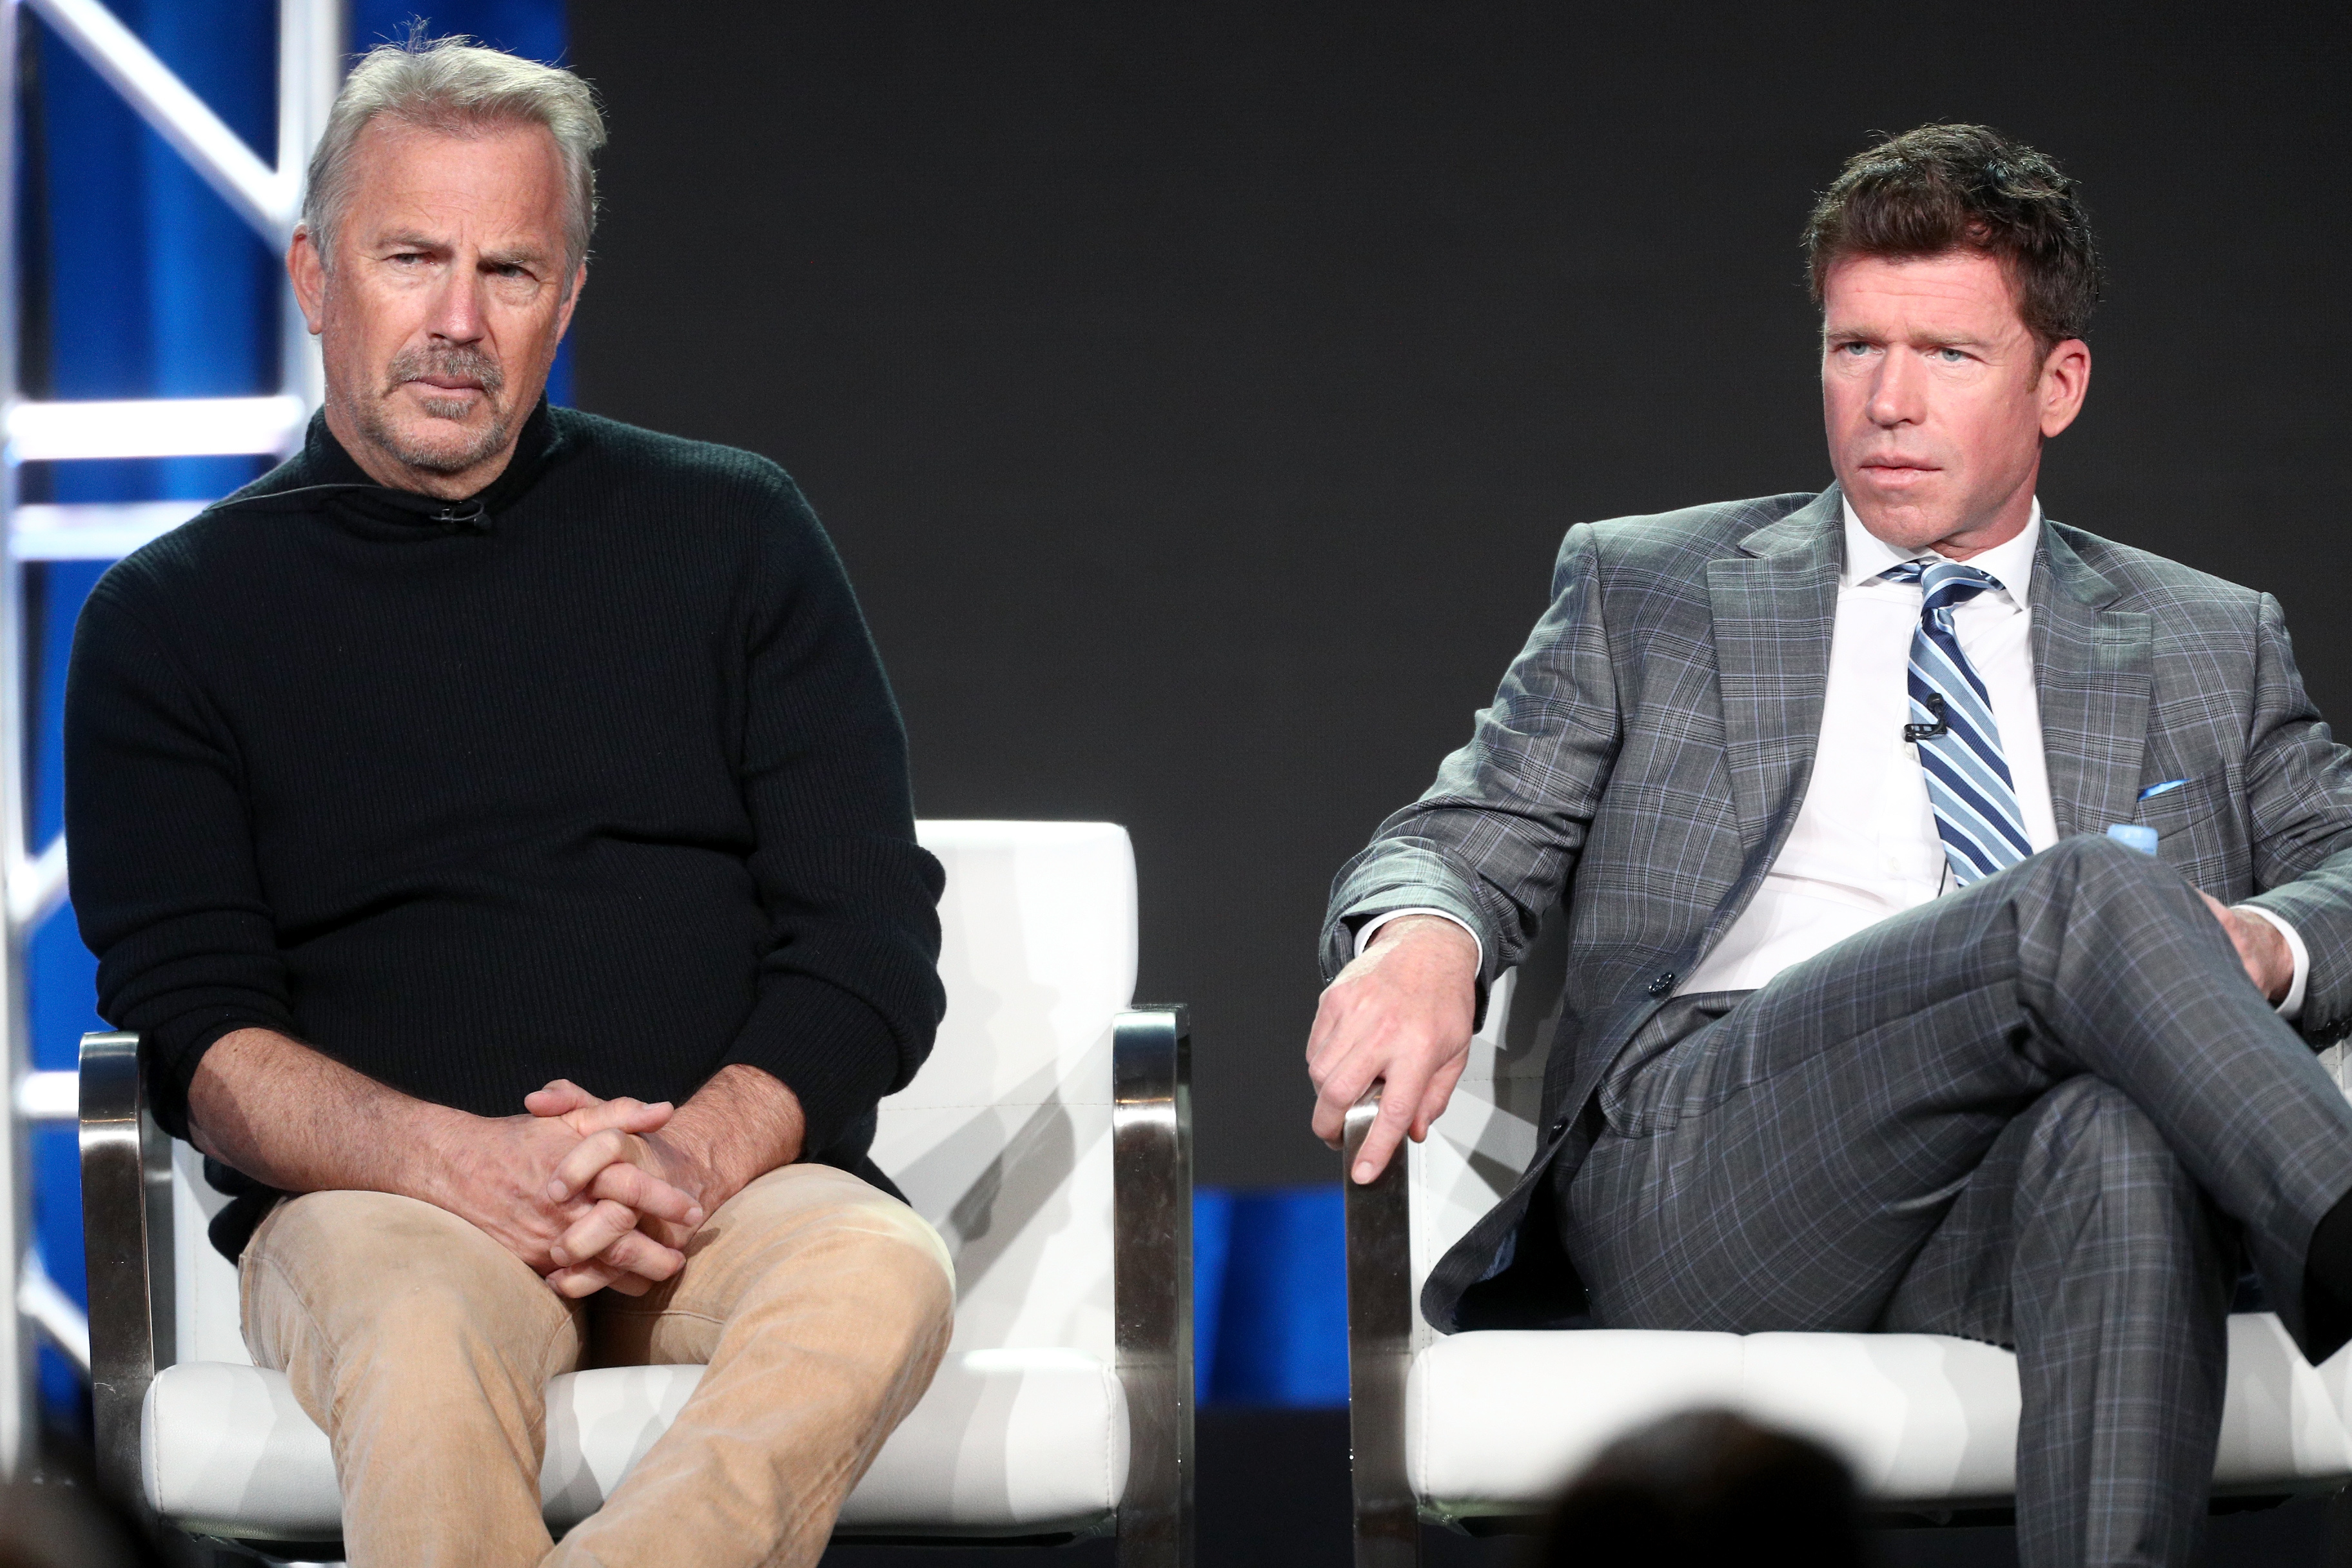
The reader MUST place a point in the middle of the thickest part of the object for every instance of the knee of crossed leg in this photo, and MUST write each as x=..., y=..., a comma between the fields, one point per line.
x=2095, y=857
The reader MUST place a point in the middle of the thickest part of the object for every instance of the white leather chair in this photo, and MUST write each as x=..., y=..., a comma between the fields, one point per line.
x=1479, y=1430
x=1048, y=1138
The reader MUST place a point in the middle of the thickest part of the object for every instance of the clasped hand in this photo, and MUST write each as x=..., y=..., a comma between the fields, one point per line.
x=586, y=1191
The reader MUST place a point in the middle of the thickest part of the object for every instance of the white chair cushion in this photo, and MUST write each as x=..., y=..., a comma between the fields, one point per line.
x=1005, y=1442
x=1495, y=1421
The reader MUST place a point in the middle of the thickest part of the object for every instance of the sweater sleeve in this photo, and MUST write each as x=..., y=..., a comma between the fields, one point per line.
x=848, y=995
x=165, y=887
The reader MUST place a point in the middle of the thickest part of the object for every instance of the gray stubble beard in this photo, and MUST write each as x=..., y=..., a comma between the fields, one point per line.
x=409, y=366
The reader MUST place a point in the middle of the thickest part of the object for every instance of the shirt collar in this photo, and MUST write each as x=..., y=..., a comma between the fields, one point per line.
x=2010, y=565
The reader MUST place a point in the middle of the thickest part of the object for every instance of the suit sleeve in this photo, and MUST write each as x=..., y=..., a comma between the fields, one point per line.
x=165, y=887
x=2299, y=796
x=1492, y=840
x=848, y=995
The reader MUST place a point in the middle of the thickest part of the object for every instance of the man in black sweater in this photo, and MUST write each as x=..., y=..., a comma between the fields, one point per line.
x=495, y=824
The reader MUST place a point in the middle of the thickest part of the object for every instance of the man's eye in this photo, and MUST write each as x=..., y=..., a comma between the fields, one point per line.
x=1853, y=350
x=1951, y=356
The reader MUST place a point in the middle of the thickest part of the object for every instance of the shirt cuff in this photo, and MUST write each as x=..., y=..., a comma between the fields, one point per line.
x=2291, y=1009
x=1364, y=938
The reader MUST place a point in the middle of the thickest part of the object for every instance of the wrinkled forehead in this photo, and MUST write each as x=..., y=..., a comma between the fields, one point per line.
x=492, y=186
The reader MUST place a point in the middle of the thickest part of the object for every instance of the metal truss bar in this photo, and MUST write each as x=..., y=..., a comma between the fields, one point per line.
x=37, y=886
x=267, y=198
x=94, y=531
x=49, y=1096
x=156, y=427
x=310, y=70
x=19, y=1415
x=38, y=1298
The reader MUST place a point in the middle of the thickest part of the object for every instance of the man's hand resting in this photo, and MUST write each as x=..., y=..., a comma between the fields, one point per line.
x=2268, y=962
x=602, y=1181
x=495, y=1172
x=590, y=1193
x=303, y=1123
x=1399, y=1016
x=740, y=1125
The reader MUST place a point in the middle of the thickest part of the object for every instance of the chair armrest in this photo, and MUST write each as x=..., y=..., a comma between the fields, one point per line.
x=1379, y=1348
x=1151, y=1164
x=126, y=1217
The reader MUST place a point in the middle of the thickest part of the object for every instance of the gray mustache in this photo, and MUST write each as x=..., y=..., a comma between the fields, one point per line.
x=415, y=364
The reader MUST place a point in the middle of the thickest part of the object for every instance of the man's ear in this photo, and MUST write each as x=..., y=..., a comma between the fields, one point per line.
x=570, y=301
x=2065, y=382
x=307, y=270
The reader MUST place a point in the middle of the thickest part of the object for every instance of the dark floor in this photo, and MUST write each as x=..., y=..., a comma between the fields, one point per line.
x=1273, y=1491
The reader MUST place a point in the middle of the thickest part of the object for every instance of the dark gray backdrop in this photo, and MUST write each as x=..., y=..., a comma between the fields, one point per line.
x=1198, y=393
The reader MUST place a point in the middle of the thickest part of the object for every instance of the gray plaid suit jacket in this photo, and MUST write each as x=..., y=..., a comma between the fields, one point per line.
x=1649, y=749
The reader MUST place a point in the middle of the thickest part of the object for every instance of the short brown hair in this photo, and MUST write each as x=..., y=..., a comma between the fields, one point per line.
x=1943, y=188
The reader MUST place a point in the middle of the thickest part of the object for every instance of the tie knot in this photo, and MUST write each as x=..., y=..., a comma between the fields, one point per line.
x=1942, y=584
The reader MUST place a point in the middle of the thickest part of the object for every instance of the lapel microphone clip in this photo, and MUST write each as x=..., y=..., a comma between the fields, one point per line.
x=1934, y=703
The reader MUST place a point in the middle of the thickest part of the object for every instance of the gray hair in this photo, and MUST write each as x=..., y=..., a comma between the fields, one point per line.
x=454, y=85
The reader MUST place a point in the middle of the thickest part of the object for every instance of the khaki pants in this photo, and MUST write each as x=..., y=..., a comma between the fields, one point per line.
x=820, y=1305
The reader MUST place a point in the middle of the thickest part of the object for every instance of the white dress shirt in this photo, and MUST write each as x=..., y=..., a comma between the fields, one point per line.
x=1864, y=844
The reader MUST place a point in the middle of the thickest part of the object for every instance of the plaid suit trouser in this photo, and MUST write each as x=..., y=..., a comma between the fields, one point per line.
x=2045, y=1111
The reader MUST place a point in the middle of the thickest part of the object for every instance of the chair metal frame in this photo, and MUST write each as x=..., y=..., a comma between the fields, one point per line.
x=1379, y=1348
x=126, y=1172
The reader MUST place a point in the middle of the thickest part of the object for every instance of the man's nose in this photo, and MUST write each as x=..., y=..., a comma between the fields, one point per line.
x=458, y=310
x=1895, y=397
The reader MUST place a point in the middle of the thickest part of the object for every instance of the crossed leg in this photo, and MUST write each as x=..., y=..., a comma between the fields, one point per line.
x=2070, y=1049
x=2085, y=1242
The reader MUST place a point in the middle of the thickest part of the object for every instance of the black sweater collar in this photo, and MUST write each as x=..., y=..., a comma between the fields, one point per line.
x=327, y=478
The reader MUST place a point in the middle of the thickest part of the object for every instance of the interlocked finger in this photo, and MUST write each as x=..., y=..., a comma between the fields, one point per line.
x=587, y=1158
x=640, y=1254
x=641, y=1190
x=597, y=1230
x=557, y=1099
x=587, y=1279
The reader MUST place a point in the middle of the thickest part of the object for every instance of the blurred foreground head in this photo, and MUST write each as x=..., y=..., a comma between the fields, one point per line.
x=54, y=1526
x=1708, y=1488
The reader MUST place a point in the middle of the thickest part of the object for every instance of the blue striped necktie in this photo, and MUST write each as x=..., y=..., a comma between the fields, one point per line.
x=1968, y=783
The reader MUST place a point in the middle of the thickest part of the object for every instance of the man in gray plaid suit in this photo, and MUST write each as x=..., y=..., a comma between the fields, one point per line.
x=1869, y=1022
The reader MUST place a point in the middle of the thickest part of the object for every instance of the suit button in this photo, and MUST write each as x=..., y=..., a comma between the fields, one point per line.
x=1663, y=984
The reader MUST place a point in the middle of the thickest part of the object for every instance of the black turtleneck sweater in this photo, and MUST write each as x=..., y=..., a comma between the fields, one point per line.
x=594, y=775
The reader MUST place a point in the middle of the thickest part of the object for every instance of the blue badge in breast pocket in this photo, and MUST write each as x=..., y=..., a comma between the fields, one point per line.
x=2132, y=835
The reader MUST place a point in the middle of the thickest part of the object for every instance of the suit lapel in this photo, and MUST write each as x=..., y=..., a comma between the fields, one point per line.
x=1774, y=610
x=2091, y=677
